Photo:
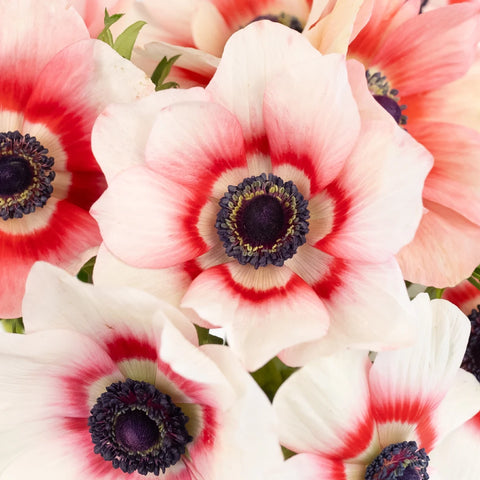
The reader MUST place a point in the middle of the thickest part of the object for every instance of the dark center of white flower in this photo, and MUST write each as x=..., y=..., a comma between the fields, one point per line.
x=138, y=428
x=399, y=461
x=262, y=220
x=386, y=96
x=283, y=18
x=471, y=360
x=25, y=175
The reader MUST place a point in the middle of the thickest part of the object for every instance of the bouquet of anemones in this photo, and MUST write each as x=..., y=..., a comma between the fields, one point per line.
x=226, y=228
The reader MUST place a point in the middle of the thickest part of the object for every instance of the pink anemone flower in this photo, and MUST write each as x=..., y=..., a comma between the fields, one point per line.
x=275, y=197
x=350, y=419
x=55, y=82
x=410, y=60
x=111, y=384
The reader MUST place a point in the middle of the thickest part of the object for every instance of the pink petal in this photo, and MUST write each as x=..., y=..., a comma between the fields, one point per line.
x=313, y=128
x=408, y=60
x=24, y=41
x=69, y=103
x=378, y=200
x=171, y=239
x=455, y=178
x=464, y=295
x=251, y=58
x=444, y=250
x=252, y=304
x=121, y=131
x=66, y=237
x=407, y=385
x=324, y=408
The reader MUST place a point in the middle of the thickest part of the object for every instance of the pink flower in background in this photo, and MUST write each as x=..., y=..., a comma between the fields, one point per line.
x=111, y=384
x=54, y=83
x=350, y=419
x=276, y=191
x=411, y=60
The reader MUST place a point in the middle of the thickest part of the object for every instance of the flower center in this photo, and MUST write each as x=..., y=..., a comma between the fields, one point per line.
x=138, y=428
x=262, y=220
x=386, y=96
x=283, y=18
x=25, y=175
x=399, y=461
x=471, y=360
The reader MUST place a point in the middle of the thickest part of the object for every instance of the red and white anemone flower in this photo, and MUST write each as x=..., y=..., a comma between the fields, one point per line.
x=110, y=384
x=197, y=30
x=350, y=419
x=412, y=63
x=275, y=198
x=55, y=82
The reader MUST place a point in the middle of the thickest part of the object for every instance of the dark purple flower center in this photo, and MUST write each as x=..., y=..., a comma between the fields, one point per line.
x=283, y=18
x=399, y=461
x=471, y=360
x=138, y=428
x=262, y=221
x=386, y=96
x=25, y=175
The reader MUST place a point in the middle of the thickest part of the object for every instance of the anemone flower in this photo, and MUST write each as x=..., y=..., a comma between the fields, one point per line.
x=55, y=81
x=410, y=61
x=270, y=198
x=111, y=384
x=350, y=419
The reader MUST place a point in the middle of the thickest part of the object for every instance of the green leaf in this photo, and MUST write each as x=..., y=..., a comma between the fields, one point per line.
x=105, y=35
x=204, y=336
x=272, y=375
x=126, y=40
x=13, y=325
x=86, y=272
x=161, y=72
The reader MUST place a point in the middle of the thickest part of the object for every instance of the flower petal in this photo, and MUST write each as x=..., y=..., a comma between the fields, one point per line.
x=255, y=304
x=444, y=250
x=324, y=408
x=407, y=385
x=313, y=128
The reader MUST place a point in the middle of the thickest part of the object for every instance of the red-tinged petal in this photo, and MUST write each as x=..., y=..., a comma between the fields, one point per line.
x=452, y=103
x=454, y=180
x=65, y=235
x=121, y=131
x=444, y=251
x=308, y=466
x=194, y=145
x=313, y=128
x=346, y=288
x=457, y=455
x=324, y=408
x=93, y=75
x=378, y=195
x=255, y=304
x=407, y=385
x=251, y=58
x=24, y=42
x=132, y=200
x=464, y=295
x=408, y=60
x=385, y=16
